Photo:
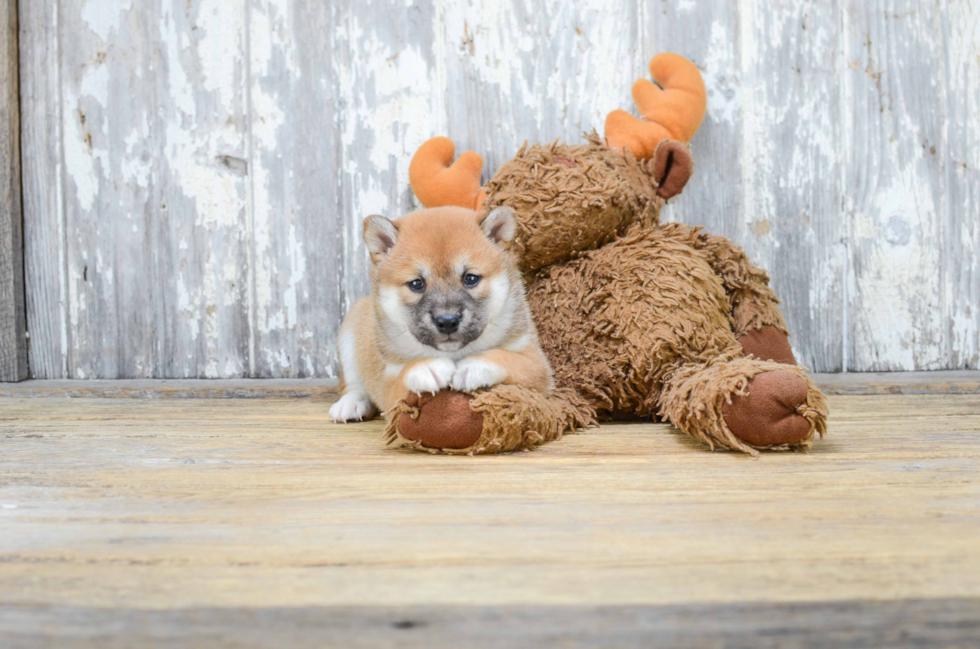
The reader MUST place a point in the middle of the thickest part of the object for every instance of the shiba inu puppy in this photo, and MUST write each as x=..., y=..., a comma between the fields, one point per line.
x=447, y=310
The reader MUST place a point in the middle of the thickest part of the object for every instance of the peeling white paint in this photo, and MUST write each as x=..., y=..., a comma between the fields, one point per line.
x=221, y=28
x=104, y=16
x=215, y=166
x=721, y=76
x=80, y=165
x=961, y=252
x=188, y=308
x=83, y=148
x=897, y=316
x=297, y=274
x=136, y=165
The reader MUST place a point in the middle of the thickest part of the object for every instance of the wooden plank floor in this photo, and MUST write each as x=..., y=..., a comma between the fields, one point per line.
x=252, y=522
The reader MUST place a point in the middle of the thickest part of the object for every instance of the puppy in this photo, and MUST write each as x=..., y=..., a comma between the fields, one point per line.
x=447, y=310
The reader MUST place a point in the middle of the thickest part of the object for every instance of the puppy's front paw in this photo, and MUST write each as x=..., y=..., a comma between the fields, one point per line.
x=353, y=406
x=430, y=376
x=474, y=373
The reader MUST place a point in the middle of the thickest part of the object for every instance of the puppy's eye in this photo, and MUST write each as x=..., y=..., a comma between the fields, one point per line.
x=470, y=280
x=417, y=286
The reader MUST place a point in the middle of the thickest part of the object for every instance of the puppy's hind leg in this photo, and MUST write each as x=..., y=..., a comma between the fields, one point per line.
x=354, y=404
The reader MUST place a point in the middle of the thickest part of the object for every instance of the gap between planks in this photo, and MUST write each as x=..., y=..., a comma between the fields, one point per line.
x=944, y=382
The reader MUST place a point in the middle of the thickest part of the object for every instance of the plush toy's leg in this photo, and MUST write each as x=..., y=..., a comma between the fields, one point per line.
x=503, y=418
x=759, y=324
x=767, y=344
x=745, y=404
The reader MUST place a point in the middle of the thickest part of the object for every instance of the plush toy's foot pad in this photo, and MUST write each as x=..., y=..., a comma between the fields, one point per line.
x=444, y=420
x=745, y=404
x=770, y=414
x=502, y=418
x=767, y=344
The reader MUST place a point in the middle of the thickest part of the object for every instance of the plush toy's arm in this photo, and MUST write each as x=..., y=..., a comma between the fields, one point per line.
x=759, y=324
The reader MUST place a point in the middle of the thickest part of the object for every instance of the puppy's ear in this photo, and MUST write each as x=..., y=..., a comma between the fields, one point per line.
x=380, y=235
x=499, y=225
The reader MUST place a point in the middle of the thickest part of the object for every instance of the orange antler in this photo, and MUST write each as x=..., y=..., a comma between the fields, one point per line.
x=437, y=183
x=671, y=112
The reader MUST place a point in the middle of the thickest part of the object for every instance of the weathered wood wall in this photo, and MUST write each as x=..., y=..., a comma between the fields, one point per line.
x=195, y=171
x=13, y=331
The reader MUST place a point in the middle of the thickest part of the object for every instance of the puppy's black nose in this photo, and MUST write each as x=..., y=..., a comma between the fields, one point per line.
x=447, y=323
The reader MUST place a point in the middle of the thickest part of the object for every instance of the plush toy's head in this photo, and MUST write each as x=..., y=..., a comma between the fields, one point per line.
x=569, y=198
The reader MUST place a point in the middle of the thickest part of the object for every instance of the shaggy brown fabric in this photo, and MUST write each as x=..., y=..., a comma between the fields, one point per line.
x=695, y=396
x=616, y=320
x=767, y=344
x=672, y=167
x=564, y=208
x=644, y=326
x=754, y=304
x=512, y=417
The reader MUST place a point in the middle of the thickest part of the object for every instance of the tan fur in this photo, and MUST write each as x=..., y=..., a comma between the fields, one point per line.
x=442, y=243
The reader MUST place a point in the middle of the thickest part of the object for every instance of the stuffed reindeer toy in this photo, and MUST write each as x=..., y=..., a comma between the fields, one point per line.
x=638, y=318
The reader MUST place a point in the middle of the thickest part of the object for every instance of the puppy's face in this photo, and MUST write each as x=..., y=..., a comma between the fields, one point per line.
x=442, y=277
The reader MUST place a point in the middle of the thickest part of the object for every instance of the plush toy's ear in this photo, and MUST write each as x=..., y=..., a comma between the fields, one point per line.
x=499, y=225
x=380, y=235
x=672, y=167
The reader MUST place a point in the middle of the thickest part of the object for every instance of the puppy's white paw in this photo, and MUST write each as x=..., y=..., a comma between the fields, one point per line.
x=430, y=376
x=474, y=373
x=353, y=406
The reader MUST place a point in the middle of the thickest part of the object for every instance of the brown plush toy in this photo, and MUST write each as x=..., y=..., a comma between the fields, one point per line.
x=638, y=318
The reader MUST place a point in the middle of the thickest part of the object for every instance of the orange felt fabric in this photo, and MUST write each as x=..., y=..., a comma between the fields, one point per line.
x=438, y=181
x=673, y=111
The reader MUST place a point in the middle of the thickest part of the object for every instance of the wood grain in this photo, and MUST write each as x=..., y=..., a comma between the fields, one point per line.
x=177, y=388
x=13, y=325
x=302, y=235
x=240, y=523
x=45, y=239
x=204, y=220
x=946, y=622
x=791, y=134
x=895, y=194
x=952, y=382
x=141, y=121
x=261, y=505
x=961, y=226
